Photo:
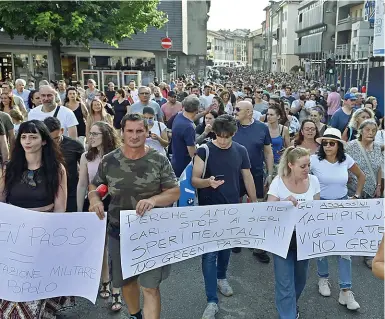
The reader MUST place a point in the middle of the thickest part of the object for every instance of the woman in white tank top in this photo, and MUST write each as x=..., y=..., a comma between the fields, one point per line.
x=102, y=140
x=295, y=184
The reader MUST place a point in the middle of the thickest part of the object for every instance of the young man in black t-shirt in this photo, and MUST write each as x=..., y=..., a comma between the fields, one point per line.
x=221, y=185
x=72, y=151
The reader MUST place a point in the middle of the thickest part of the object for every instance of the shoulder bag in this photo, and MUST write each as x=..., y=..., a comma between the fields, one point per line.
x=369, y=165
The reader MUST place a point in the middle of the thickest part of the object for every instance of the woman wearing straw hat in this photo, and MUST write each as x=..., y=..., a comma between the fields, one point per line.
x=331, y=165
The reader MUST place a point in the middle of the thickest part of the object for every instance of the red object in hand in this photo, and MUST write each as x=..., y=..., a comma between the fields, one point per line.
x=102, y=190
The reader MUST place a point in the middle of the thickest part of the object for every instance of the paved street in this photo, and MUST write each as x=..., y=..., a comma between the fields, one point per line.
x=253, y=283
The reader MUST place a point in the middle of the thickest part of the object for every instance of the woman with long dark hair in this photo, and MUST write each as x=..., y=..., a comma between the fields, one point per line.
x=121, y=107
x=34, y=99
x=218, y=105
x=102, y=140
x=35, y=179
x=307, y=136
x=280, y=138
x=204, y=130
x=107, y=106
x=73, y=102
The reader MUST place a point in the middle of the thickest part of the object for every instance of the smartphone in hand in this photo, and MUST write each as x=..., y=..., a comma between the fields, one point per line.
x=219, y=177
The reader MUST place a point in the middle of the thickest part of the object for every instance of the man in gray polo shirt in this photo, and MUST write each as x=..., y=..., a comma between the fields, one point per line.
x=144, y=93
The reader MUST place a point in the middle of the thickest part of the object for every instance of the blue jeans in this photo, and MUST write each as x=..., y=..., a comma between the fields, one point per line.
x=290, y=280
x=344, y=270
x=214, y=266
x=344, y=267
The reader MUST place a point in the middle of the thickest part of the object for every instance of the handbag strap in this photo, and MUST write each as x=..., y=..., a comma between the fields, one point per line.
x=160, y=130
x=367, y=161
x=56, y=111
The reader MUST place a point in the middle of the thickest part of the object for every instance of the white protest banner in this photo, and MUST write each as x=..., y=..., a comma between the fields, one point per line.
x=169, y=235
x=45, y=255
x=339, y=227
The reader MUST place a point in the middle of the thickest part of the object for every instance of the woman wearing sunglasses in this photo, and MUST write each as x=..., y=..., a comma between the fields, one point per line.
x=332, y=166
x=103, y=139
x=35, y=179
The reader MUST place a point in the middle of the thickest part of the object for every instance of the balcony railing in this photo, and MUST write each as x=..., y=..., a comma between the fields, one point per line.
x=343, y=49
x=350, y=20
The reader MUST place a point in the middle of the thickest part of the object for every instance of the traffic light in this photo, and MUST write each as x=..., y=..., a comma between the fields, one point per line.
x=171, y=65
x=330, y=66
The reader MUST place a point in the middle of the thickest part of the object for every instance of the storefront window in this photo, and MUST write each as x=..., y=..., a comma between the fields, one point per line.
x=22, y=67
x=68, y=64
x=40, y=66
x=82, y=65
x=5, y=66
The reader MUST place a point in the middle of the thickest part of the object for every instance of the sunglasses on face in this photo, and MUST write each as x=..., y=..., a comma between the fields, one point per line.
x=238, y=109
x=326, y=143
x=259, y=92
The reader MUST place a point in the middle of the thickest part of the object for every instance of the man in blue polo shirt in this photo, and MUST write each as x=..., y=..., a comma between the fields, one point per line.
x=341, y=117
x=183, y=135
x=255, y=137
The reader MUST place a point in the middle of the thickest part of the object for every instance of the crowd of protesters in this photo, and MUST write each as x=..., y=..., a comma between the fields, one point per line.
x=271, y=137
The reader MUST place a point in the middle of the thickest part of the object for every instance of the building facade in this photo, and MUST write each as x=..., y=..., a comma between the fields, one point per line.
x=187, y=27
x=228, y=46
x=255, y=50
x=287, y=58
x=315, y=28
x=216, y=44
x=268, y=32
x=353, y=32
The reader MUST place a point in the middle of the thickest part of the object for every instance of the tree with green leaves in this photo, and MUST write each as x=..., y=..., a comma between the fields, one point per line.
x=78, y=21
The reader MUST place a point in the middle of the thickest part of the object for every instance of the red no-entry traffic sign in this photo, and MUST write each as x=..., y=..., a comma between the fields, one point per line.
x=166, y=43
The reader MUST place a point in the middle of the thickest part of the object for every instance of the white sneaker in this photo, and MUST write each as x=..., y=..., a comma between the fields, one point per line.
x=324, y=287
x=347, y=299
x=210, y=311
x=224, y=287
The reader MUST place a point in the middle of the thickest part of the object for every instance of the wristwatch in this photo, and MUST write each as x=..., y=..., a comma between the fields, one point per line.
x=356, y=196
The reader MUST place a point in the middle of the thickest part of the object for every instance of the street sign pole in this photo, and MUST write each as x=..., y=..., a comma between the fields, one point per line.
x=368, y=67
x=345, y=64
x=167, y=75
x=167, y=36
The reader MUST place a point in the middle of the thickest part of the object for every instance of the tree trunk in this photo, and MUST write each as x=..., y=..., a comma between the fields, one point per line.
x=57, y=70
